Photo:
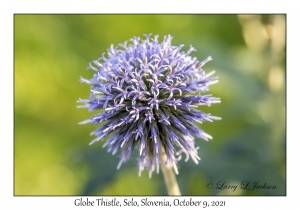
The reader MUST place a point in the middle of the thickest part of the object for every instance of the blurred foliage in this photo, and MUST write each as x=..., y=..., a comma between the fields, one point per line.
x=52, y=156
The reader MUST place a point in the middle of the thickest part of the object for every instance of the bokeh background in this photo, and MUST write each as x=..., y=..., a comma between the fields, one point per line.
x=51, y=152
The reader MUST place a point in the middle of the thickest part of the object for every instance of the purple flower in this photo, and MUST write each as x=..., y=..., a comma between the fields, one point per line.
x=149, y=92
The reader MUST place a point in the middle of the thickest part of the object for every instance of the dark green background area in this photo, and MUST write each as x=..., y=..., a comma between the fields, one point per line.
x=51, y=152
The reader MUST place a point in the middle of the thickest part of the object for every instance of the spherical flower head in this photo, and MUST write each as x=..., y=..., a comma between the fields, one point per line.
x=149, y=92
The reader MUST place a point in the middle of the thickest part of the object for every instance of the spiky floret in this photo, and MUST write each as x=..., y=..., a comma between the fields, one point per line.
x=149, y=92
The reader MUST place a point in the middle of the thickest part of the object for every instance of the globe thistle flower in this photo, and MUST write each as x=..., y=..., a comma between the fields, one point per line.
x=149, y=93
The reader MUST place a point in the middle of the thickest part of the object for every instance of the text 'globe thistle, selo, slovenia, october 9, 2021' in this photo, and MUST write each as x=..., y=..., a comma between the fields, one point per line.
x=149, y=92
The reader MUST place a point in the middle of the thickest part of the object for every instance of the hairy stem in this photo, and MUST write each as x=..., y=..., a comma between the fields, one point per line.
x=169, y=175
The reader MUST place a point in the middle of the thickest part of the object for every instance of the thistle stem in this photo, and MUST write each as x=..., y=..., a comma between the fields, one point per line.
x=169, y=175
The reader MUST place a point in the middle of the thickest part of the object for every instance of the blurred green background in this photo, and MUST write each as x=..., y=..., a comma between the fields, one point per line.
x=51, y=151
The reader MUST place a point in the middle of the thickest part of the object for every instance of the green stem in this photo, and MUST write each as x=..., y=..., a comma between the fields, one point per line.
x=169, y=175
